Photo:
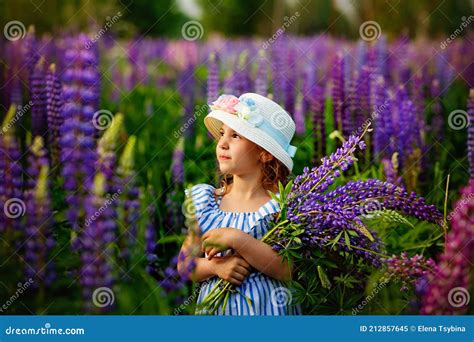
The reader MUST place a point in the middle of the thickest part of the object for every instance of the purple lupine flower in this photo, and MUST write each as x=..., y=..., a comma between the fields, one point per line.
x=437, y=123
x=318, y=179
x=186, y=83
x=448, y=289
x=81, y=88
x=38, y=233
x=172, y=280
x=106, y=154
x=129, y=206
x=11, y=196
x=261, y=79
x=278, y=80
x=470, y=132
x=325, y=216
x=364, y=90
x=242, y=79
x=316, y=101
x=106, y=164
x=390, y=170
x=12, y=82
x=39, y=123
x=151, y=238
x=54, y=104
x=299, y=115
x=355, y=115
x=290, y=81
x=337, y=91
x=229, y=83
x=383, y=133
x=96, y=247
x=382, y=57
x=177, y=163
x=174, y=219
x=213, y=78
x=407, y=133
x=410, y=271
x=31, y=47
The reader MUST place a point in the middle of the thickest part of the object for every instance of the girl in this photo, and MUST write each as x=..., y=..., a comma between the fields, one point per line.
x=254, y=153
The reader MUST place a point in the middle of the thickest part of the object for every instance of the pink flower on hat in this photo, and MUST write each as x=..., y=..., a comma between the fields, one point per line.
x=225, y=103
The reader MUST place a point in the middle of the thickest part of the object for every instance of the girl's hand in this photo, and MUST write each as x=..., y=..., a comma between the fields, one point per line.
x=218, y=240
x=232, y=268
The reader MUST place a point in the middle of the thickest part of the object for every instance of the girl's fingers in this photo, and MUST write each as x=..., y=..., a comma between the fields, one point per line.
x=238, y=276
x=212, y=253
x=243, y=263
x=235, y=282
x=242, y=270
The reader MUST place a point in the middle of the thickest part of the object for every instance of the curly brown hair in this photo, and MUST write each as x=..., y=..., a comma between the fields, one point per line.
x=273, y=171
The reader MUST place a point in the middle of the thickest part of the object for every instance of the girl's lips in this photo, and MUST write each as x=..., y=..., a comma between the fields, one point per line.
x=223, y=158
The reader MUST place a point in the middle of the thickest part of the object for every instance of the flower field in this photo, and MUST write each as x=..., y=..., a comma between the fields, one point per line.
x=101, y=137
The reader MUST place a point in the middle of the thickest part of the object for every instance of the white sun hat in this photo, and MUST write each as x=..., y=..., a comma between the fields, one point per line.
x=258, y=119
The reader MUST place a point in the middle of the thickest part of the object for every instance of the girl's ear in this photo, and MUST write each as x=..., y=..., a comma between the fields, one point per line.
x=265, y=156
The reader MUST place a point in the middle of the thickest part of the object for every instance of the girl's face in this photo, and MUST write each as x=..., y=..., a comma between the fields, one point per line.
x=242, y=154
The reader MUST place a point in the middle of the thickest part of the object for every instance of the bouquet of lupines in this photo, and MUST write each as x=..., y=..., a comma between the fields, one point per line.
x=325, y=227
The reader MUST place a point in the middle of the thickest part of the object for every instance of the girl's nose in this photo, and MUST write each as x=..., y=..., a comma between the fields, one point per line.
x=223, y=142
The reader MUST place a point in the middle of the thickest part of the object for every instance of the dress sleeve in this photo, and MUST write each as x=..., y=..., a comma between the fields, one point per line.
x=198, y=196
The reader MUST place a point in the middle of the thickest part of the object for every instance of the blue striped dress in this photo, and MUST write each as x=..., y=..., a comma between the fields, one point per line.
x=269, y=296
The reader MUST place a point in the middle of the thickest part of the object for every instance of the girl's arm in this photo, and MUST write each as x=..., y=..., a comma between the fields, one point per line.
x=261, y=256
x=232, y=268
x=257, y=253
x=203, y=269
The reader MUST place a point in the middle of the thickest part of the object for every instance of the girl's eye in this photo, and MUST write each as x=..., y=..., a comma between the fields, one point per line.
x=235, y=135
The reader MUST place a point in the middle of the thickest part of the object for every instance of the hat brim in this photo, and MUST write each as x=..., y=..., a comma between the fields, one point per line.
x=216, y=118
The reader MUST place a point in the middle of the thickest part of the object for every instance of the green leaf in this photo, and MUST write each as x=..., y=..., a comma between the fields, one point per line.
x=347, y=240
x=288, y=187
x=280, y=189
x=336, y=240
x=323, y=278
